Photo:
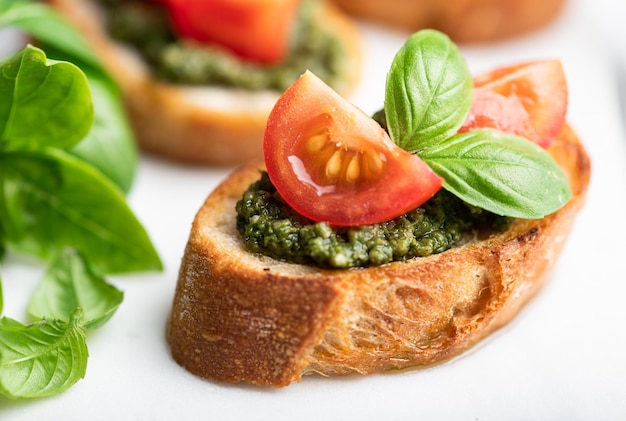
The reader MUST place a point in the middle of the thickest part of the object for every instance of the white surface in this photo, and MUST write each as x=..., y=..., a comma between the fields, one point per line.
x=561, y=358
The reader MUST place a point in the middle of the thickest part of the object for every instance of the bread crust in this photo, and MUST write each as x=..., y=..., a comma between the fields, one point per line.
x=464, y=21
x=238, y=316
x=213, y=126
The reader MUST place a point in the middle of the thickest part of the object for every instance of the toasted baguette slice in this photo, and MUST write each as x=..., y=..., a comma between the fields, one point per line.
x=464, y=21
x=239, y=316
x=203, y=125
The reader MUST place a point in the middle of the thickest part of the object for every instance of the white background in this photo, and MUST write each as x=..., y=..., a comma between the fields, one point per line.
x=562, y=358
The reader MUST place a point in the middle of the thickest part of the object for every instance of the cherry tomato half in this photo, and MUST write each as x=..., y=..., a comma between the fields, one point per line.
x=331, y=162
x=256, y=30
x=528, y=99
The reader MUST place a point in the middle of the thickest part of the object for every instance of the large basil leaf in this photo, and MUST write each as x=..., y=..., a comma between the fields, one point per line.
x=54, y=201
x=110, y=145
x=44, y=103
x=43, y=359
x=69, y=283
x=39, y=20
x=428, y=92
x=504, y=174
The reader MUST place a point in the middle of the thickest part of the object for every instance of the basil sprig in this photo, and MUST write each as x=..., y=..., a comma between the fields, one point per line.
x=50, y=355
x=67, y=158
x=427, y=99
x=43, y=359
x=52, y=199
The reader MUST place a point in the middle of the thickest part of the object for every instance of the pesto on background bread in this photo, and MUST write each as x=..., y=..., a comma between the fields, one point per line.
x=197, y=124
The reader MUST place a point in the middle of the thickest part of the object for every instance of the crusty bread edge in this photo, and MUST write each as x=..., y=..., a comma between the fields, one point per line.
x=238, y=316
x=465, y=21
x=193, y=125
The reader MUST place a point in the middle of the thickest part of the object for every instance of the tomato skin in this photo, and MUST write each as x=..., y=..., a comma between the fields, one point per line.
x=332, y=163
x=256, y=30
x=528, y=99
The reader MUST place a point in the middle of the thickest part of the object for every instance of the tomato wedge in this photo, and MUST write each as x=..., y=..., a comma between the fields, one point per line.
x=256, y=30
x=331, y=162
x=528, y=100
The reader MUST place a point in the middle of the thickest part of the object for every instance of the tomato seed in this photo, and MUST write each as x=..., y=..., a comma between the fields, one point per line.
x=354, y=170
x=333, y=166
x=316, y=143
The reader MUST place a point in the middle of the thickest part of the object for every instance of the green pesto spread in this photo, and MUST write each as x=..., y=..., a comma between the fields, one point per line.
x=145, y=26
x=269, y=226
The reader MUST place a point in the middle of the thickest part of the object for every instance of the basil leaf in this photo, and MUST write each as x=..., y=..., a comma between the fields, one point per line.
x=44, y=23
x=110, y=144
x=44, y=103
x=2, y=240
x=1, y=297
x=505, y=174
x=428, y=92
x=3, y=221
x=54, y=201
x=69, y=283
x=43, y=359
